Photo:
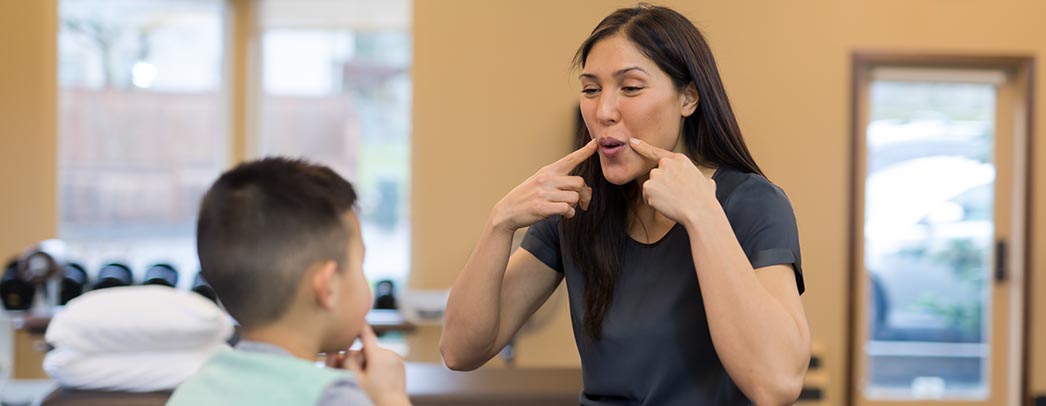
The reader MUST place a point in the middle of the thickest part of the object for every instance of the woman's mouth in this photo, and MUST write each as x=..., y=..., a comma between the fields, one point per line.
x=611, y=147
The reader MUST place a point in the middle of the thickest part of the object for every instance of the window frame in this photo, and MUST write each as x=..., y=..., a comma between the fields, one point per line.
x=1020, y=70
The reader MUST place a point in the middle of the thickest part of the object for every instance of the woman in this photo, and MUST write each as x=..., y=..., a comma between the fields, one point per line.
x=681, y=260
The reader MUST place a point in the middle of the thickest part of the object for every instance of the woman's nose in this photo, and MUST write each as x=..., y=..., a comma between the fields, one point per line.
x=606, y=111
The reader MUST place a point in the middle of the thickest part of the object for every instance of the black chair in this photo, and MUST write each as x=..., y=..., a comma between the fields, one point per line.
x=385, y=295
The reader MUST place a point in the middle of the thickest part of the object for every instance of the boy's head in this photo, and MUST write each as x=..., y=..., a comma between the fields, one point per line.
x=278, y=236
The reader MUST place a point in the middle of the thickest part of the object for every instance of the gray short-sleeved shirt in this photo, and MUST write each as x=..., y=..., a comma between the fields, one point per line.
x=656, y=348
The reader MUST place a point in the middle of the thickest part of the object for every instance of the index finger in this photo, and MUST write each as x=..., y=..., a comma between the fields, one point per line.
x=369, y=339
x=335, y=360
x=566, y=164
x=647, y=150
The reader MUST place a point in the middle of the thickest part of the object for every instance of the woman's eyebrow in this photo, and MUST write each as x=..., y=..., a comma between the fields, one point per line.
x=616, y=74
x=629, y=69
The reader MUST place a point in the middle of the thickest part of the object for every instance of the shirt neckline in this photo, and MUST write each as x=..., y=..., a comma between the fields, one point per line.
x=715, y=176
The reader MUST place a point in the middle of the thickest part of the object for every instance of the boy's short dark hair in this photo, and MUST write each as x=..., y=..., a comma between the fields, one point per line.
x=262, y=224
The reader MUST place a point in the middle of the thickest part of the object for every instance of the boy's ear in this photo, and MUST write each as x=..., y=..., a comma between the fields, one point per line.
x=323, y=278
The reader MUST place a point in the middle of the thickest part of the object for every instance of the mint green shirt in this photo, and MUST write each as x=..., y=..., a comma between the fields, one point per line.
x=260, y=374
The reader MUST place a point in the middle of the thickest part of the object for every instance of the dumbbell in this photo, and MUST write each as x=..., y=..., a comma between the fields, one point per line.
x=161, y=274
x=199, y=285
x=114, y=275
x=16, y=293
x=73, y=283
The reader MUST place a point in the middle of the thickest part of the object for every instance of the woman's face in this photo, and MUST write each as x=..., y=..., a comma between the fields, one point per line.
x=623, y=95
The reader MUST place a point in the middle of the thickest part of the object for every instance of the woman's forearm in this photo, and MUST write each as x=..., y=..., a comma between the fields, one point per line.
x=472, y=319
x=763, y=346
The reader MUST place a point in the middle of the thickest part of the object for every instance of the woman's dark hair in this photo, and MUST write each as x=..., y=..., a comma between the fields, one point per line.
x=711, y=137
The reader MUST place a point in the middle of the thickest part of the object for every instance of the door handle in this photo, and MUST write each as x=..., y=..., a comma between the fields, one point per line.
x=1000, y=261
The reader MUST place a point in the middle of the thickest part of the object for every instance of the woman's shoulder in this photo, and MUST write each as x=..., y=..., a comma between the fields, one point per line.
x=734, y=185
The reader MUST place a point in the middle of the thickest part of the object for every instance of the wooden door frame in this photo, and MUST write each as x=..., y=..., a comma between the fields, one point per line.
x=862, y=61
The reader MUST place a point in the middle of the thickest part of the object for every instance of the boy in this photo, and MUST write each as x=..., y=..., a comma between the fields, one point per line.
x=280, y=243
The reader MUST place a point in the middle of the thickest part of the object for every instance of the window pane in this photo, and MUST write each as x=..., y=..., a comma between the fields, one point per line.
x=928, y=238
x=340, y=94
x=141, y=129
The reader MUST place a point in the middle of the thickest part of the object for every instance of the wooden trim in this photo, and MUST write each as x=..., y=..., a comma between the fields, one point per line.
x=858, y=64
x=1023, y=67
x=239, y=64
x=1027, y=70
x=941, y=59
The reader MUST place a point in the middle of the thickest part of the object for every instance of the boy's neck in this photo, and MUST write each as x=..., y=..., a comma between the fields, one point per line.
x=295, y=341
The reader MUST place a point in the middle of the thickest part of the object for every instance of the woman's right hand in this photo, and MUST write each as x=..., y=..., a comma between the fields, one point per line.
x=482, y=314
x=550, y=191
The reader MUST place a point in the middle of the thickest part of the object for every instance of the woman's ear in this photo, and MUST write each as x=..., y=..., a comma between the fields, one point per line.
x=323, y=278
x=690, y=100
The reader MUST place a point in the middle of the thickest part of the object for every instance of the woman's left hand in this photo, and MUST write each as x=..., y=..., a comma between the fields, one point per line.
x=677, y=189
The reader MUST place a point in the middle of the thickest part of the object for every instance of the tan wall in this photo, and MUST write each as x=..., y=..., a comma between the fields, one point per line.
x=493, y=97
x=28, y=182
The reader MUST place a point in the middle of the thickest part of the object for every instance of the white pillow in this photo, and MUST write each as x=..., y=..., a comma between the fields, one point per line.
x=137, y=319
x=126, y=371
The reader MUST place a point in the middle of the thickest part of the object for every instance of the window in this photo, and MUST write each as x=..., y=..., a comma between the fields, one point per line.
x=939, y=204
x=336, y=88
x=141, y=128
x=930, y=154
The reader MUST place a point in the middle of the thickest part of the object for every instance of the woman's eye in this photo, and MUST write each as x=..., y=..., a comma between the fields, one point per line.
x=590, y=91
x=631, y=89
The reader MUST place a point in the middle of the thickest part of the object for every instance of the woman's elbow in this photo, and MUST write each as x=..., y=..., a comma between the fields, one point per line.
x=456, y=363
x=785, y=384
x=784, y=391
x=455, y=359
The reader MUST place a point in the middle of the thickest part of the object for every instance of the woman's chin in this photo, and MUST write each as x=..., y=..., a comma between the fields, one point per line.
x=617, y=175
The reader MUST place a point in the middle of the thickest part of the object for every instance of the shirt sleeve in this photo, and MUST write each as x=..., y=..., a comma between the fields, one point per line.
x=765, y=226
x=343, y=392
x=542, y=241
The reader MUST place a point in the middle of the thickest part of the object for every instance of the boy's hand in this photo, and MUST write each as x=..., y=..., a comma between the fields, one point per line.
x=379, y=371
